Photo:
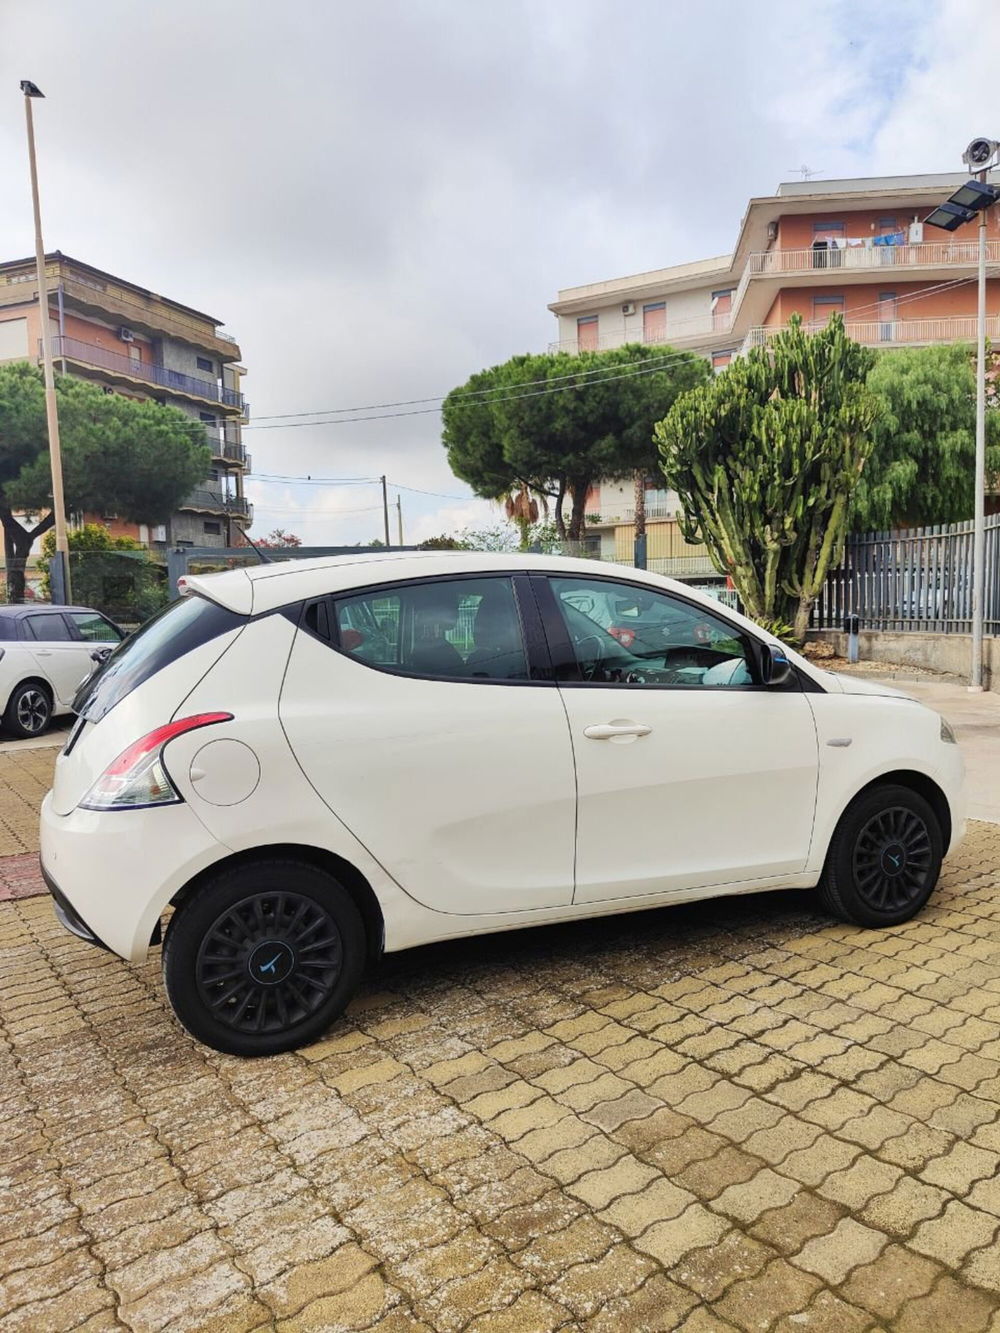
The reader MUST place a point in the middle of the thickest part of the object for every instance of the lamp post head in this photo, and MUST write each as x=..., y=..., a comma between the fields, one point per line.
x=31, y=89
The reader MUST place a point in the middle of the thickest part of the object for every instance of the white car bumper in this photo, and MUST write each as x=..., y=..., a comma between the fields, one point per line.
x=113, y=888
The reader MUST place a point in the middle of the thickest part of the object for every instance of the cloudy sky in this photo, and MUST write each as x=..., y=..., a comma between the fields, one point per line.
x=380, y=198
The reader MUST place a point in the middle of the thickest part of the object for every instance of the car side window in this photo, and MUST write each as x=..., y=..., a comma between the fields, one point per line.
x=48, y=628
x=461, y=629
x=94, y=628
x=621, y=634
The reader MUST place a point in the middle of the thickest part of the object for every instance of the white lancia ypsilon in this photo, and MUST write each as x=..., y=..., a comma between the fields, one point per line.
x=315, y=761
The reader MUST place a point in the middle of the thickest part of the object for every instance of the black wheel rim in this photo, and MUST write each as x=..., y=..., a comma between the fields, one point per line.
x=269, y=962
x=892, y=859
x=33, y=711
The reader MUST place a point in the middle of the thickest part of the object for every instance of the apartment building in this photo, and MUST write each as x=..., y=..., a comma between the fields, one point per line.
x=859, y=248
x=135, y=342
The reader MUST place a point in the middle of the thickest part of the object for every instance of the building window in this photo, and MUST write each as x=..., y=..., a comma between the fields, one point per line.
x=654, y=322
x=213, y=528
x=722, y=310
x=586, y=333
x=205, y=363
x=209, y=418
x=824, y=307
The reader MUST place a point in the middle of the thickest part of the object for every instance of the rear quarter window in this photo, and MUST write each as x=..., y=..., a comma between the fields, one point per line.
x=178, y=629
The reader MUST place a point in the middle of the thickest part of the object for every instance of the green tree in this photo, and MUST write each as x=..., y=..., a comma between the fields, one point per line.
x=111, y=574
x=766, y=459
x=136, y=459
x=554, y=425
x=922, y=467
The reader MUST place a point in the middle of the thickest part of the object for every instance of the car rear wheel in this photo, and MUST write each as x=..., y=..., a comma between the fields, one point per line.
x=264, y=957
x=29, y=710
x=884, y=858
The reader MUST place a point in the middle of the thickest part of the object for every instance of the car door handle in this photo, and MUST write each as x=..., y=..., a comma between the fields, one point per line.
x=43, y=652
x=607, y=731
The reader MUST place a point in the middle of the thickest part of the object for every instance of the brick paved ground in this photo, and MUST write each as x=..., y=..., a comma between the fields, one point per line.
x=729, y=1116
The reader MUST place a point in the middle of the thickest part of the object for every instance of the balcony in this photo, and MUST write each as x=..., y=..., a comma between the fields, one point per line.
x=608, y=518
x=678, y=334
x=944, y=254
x=174, y=381
x=890, y=333
x=228, y=451
x=213, y=502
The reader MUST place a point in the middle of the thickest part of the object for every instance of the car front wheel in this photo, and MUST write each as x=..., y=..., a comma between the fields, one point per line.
x=884, y=858
x=263, y=957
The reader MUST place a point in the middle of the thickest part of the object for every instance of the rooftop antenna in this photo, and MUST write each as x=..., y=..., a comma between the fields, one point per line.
x=806, y=173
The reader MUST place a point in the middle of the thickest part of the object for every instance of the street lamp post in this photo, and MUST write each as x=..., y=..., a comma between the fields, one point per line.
x=976, y=197
x=32, y=91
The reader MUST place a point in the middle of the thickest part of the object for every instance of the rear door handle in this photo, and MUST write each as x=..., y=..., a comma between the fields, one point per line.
x=607, y=731
x=44, y=652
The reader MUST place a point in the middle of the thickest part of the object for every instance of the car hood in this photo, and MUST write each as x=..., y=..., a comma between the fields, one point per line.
x=858, y=685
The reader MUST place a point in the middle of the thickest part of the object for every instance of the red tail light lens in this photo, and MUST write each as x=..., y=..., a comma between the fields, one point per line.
x=138, y=776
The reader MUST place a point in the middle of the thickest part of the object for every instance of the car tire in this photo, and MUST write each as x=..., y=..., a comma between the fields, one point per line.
x=263, y=957
x=29, y=710
x=884, y=858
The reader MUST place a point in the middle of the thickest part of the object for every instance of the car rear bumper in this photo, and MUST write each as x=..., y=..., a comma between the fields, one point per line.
x=112, y=874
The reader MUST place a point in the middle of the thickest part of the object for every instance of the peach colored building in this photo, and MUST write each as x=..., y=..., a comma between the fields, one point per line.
x=859, y=248
x=135, y=342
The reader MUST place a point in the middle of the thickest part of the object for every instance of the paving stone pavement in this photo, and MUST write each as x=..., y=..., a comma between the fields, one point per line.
x=732, y=1115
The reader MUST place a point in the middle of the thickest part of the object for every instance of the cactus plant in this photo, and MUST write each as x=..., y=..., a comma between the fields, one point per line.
x=765, y=459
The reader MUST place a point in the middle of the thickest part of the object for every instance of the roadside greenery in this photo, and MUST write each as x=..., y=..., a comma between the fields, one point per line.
x=112, y=574
x=551, y=426
x=922, y=466
x=135, y=459
x=766, y=459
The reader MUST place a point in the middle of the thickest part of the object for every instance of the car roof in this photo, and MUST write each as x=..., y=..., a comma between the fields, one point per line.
x=33, y=608
x=258, y=589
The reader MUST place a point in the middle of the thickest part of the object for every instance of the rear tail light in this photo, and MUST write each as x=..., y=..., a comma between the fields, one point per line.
x=626, y=637
x=138, y=777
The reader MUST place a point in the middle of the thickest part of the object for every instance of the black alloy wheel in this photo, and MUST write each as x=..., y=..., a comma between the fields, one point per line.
x=269, y=961
x=884, y=857
x=263, y=957
x=892, y=856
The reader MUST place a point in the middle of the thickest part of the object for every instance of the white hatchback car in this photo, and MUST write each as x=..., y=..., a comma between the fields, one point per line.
x=316, y=761
x=46, y=653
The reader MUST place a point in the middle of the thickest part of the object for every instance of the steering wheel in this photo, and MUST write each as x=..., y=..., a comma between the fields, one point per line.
x=590, y=663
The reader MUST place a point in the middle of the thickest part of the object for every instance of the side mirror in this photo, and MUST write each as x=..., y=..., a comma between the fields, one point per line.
x=100, y=654
x=775, y=668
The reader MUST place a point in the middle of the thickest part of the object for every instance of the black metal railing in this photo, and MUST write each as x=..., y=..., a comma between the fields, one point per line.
x=74, y=349
x=913, y=579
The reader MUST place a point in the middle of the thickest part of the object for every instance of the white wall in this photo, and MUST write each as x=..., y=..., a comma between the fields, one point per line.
x=689, y=314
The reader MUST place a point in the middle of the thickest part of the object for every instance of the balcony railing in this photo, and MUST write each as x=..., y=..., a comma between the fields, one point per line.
x=214, y=502
x=228, y=450
x=73, y=349
x=676, y=334
x=944, y=254
x=890, y=332
x=606, y=517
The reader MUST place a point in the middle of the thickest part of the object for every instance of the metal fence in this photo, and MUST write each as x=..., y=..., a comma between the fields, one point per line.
x=914, y=579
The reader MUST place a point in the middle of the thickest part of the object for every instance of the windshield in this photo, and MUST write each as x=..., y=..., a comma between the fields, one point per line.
x=177, y=629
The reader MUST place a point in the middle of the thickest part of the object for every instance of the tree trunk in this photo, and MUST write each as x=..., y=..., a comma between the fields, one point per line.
x=640, y=504
x=560, y=517
x=801, y=622
x=18, y=541
x=578, y=493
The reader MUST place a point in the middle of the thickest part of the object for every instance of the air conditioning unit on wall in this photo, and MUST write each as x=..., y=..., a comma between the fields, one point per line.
x=628, y=308
x=126, y=335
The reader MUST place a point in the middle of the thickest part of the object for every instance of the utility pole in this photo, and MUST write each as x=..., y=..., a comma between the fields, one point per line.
x=399, y=517
x=979, y=526
x=31, y=91
x=385, y=510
